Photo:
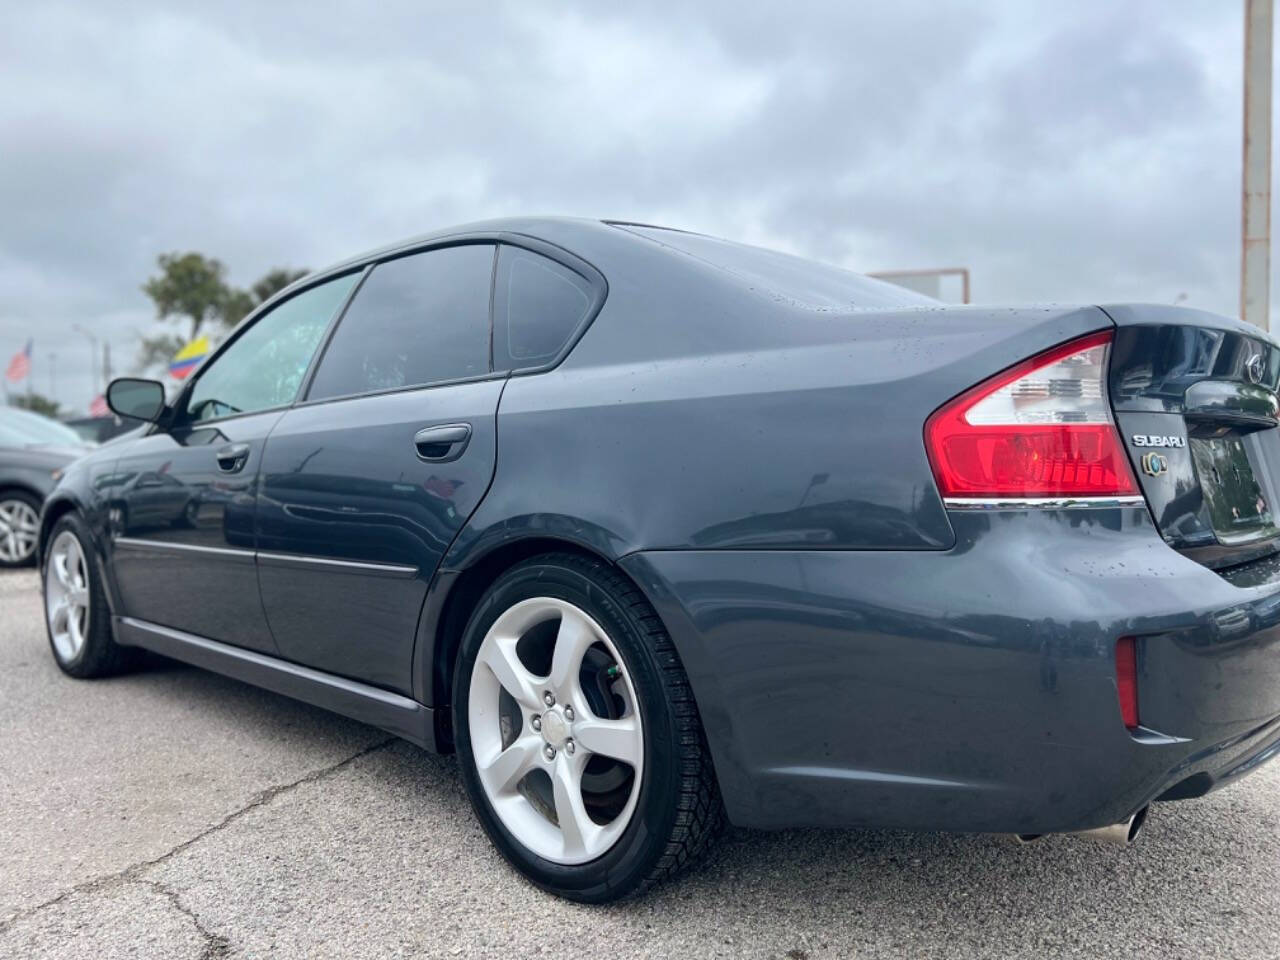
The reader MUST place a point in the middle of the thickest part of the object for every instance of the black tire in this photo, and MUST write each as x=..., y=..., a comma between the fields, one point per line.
x=678, y=812
x=100, y=656
x=33, y=502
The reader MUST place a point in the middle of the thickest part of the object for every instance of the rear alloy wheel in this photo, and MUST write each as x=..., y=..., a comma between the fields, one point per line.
x=580, y=745
x=557, y=743
x=19, y=529
x=76, y=612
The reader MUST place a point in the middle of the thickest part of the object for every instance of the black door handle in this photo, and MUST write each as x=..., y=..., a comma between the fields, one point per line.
x=442, y=444
x=232, y=457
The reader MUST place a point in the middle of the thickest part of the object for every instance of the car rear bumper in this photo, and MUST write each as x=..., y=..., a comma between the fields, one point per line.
x=974, y=688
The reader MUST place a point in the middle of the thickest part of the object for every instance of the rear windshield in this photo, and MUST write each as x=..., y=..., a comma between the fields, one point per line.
x=817, y=286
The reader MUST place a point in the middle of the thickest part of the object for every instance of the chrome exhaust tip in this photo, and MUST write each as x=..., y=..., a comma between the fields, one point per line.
x=1121, y=834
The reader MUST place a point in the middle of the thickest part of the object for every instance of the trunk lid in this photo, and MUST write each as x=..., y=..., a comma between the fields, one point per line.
x=1194, y=396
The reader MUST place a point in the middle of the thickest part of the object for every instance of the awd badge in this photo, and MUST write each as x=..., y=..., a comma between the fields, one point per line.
x=1154, y=464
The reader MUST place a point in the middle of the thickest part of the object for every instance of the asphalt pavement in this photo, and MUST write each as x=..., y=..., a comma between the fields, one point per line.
x=175, y=813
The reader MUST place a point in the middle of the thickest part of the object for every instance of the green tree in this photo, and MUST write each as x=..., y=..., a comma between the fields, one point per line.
x=189, y=285
x=157, y=350
x=273, y=281
x=37, y=403
x=240, y=303
x=192, y=286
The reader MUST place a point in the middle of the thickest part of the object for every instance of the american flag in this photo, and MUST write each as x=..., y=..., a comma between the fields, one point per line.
x=20, y=365
x=99, y=407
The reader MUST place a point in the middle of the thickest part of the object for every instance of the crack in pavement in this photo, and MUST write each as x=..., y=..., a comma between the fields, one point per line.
x=216, y=946
x=133, y=872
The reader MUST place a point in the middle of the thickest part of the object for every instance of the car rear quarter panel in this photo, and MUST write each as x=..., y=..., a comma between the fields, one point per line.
x=697, y=413
x=973, y=688
x=858, y=655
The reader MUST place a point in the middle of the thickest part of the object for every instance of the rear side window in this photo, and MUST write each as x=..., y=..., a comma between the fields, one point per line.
x=417, y=320
x=537, y=306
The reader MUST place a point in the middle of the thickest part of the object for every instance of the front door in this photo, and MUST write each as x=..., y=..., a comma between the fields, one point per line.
x=368, y=480
x=183, y=522
x=182, y=508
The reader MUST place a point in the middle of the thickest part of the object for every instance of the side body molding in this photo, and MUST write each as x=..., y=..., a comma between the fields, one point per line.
x=380, y=708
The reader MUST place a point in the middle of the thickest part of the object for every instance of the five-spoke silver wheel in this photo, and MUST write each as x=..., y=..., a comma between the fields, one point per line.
x=19, y=527
x=66, y=595
x=555, y=730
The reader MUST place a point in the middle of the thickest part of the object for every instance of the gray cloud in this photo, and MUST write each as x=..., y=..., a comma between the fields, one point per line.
x=1085, y=151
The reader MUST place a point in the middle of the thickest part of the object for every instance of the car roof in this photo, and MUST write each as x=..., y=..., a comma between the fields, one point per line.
x=528, y=226
x=587, y=239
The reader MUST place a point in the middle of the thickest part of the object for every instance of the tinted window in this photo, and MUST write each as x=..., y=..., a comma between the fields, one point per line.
x=537, y=305
x=264, y=367
x=416, y=320
x=805, y=282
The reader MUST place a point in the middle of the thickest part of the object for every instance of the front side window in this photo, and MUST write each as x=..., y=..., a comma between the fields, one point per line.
x=264, y=367
x=537, y=306
x=417, y=320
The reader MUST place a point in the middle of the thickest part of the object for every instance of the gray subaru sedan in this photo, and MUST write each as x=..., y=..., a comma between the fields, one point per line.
x=659, y=532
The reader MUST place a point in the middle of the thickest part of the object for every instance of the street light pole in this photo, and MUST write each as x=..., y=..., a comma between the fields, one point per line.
x=93, y=355
x=1255, y=226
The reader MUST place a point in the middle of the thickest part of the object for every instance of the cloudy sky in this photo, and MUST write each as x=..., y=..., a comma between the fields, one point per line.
x=1084, y=151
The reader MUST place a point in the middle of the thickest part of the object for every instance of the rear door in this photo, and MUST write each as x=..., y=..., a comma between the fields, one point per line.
x=182, y=505
x=1195, y=401
x=367, y=481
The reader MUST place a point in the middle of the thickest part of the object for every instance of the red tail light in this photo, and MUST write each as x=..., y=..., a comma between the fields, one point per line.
x=1127, y=680
x=1040, y=430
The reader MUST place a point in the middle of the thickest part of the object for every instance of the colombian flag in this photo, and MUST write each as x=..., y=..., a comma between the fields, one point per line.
x=186, y=359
